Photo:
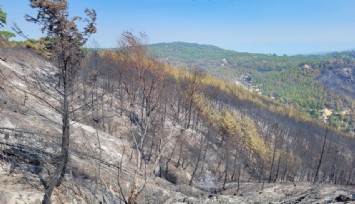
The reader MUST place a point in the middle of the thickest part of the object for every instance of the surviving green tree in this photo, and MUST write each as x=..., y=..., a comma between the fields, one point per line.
x=67, y=55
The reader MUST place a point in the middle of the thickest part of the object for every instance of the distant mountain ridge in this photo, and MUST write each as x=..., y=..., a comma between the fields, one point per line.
x=210, y=47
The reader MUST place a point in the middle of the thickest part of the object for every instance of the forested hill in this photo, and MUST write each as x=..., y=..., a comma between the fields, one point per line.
x=182, y=53
x=321, y=85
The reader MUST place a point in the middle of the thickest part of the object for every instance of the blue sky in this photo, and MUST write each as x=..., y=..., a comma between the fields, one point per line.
x=259, y=26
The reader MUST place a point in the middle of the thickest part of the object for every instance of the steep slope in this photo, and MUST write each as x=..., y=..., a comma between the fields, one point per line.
x=200, y=137
x=30, y=141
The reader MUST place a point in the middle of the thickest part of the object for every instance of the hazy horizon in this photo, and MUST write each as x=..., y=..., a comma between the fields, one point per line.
x=261, y=26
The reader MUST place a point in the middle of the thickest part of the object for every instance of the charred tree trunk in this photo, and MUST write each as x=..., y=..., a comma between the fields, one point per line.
x=225, y=175
x=272, y=161
x=321, y=158
x=350, y=173
x=238, y=178
x=61, y=167
x=197, y=163
x=278, y=169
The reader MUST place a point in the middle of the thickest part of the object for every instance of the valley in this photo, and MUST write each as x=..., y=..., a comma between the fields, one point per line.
x=310, y=83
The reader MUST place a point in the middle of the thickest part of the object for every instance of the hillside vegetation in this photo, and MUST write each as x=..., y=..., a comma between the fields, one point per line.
x=310, y=83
